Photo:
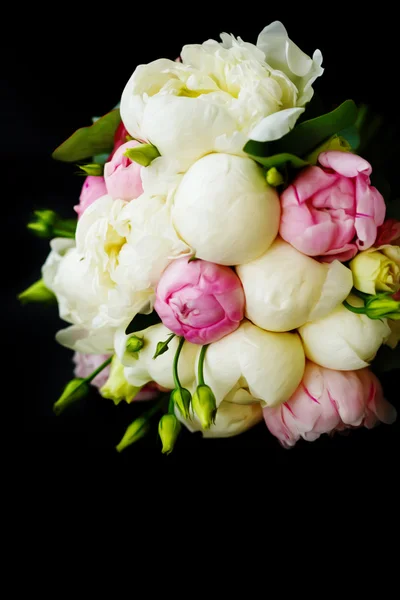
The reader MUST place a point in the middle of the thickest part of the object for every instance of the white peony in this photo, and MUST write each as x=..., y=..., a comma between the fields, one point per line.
x=121, y=251
x=225, y=210
x=343, y=340
x=231, y=419
x=220, y=95
x=285, y=288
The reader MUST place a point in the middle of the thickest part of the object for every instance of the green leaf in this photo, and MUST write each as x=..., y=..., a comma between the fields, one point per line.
x=140, y=322
x=37, y=292
x=352, y=136
x=163, y=346
x=306, y=136
x=89, y=141
x=143, y=154
x=278, y=160
x=93, y=169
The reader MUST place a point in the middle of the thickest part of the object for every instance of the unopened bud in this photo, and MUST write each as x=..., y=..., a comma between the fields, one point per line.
x=204, y=405
x=381, y=306
x=168, y=429
x=273, y=177
x=182, y=398
x=37, y=292
x=136, y=430
x=134, y=344
x=92, y=169
x=73, y=391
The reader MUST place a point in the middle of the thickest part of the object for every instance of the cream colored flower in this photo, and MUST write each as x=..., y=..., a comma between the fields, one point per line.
x=377, y=270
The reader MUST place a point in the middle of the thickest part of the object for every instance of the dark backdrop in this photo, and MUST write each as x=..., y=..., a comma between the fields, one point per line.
x=62, y=75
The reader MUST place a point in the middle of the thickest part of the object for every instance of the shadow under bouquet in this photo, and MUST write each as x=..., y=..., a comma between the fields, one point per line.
x=235, y=257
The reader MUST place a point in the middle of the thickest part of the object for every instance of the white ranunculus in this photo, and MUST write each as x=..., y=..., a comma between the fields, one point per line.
x=220, y=95
x=343, y=340
x=225, y=210
x=231, y=419
x=285, y=288
x=146, y=368
x=251, y=362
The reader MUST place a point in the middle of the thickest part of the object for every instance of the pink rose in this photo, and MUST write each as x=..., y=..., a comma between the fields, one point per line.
x=332, y=211
x=85, y=364
x=388, y=233
x=93, y=188
x=122, y=175
x=327, y=401
x=200, y=300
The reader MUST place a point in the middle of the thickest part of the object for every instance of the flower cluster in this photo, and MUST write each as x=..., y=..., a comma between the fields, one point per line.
x=225, y=260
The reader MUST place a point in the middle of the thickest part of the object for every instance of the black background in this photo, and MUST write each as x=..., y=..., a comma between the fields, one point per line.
x=61, y=75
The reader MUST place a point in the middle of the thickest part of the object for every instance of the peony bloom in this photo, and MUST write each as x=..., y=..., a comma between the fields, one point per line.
x=377, y=270
x=332, y=211
x=344, y=340
x=122, y=250
x=220, y=95
x=327, y=401
x=285, y=288
x=92, y=189
x=199, y=300
x=122, y=175
x=225, y=210
x=85, y=364
x=231, y=419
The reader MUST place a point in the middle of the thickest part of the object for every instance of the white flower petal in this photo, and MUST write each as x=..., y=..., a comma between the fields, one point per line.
x=276, y=125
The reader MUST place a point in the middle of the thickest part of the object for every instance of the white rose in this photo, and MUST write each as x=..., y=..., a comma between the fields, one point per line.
x=145, y=368
x=225, y=210
x=268, y=366
x=220, y=95
x=343, y=340
x=231, y=419
x=285, y=288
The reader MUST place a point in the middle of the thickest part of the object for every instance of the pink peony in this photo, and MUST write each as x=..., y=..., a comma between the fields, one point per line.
x=332, y=211
x=92, y=189
x=327, y=401
x=200, y=300
x=121, y=136
x=122, y=176
x=388, y=233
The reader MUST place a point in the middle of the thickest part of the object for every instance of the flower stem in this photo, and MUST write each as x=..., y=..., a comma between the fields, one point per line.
x=201, y=364
x=97, y=371
x=171, y=406
x=358, y=310
x=175, y=364
x=155, y=408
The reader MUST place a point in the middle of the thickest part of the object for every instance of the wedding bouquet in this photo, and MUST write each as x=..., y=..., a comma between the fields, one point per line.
x=232, y=261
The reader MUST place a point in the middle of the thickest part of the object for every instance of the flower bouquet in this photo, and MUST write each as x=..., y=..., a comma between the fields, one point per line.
x=232, y=260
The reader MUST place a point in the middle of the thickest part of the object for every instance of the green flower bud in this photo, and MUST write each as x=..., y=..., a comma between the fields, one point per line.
x=274, y=178
x=73, y=391
x=168, y=429
x=144, y=154
x=134, y=344
x=37, y=292
x=93, y=169
x=136, y=430
x=117, y=387
x=381, y=306
x=204, y=405
x=182, y=398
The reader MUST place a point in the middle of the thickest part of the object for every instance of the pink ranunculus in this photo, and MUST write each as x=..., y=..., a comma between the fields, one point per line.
x=92, y=189
x=122, y=175
x=200, y=300
x=388, y=233
x=327, y=401
x=332, y=211
x=85, y=364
